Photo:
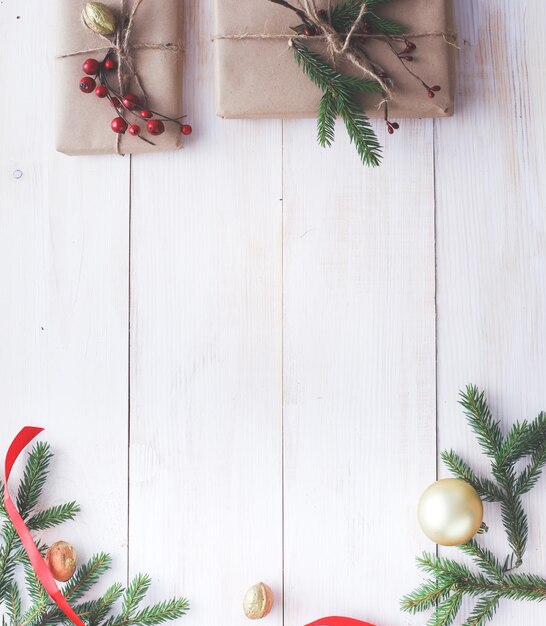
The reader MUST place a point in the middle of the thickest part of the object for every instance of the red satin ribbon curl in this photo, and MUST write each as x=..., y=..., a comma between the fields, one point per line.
x=339, y=621
x=25, y=436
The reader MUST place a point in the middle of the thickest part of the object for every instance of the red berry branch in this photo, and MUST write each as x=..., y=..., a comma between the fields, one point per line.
x=125, y=105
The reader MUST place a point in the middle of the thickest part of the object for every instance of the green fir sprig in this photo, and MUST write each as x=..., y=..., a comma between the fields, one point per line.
x=343, y=32
x=339, y=92
x=492, y=581
x=117, y=606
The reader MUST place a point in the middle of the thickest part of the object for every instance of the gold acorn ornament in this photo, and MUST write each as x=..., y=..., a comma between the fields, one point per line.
x=258, y=601
x=450, y=512
x=61, y=560
x=99, y=18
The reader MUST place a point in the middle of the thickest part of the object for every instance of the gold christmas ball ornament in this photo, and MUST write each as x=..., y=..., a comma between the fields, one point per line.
x=61, y=560
x=99, y=18
x=258, y=601
x=450, y=512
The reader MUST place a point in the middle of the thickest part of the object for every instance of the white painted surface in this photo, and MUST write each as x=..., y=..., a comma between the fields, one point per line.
x=285, y=356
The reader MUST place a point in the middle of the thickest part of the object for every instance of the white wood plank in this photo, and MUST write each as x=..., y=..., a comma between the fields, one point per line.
x=63, y=301
x=491, y=244
x=205, y=503
x=359, y=407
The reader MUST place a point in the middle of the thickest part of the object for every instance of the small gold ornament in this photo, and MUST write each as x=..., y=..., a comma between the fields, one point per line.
x=450, y=512
x=99, y=18
x=61, y=560
x=258, y=601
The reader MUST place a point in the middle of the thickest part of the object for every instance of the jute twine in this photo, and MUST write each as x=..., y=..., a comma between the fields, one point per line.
x=339, y=44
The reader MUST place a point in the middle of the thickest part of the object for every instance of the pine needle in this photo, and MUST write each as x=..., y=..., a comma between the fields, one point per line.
x=339, y=95
x=41, y=611
x=493, y=581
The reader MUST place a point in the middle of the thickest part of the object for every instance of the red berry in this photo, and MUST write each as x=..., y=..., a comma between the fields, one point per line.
x=383, y=75
x=390, y=129
x=110, y=64
x=116, y=102
x=130, y=101
x=435, y=88
x=146, y=114
x=101, y=91
x=430, y=93
x=91, y=67
x=309, y=31
x=134, y=130
x=119, y=125
x=395, y=125
x=87, y=84
x=155, y=127
x=186, y=129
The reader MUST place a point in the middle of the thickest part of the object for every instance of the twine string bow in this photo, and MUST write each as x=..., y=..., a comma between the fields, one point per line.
x=121, y=46
x=339, y=44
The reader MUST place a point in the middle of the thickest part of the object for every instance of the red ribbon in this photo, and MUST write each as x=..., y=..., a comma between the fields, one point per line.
x=25, y=436
x=338, y=621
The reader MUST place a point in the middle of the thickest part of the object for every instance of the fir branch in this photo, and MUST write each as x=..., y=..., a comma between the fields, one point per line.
x=426, y=596
x=161, y=612
x=326, y=119
x=13, y=602
x=94, y=611
x=382, y=25
x=344, y=14
x=446, y=611
x=342, y=89
x=42, y=612
x=135, y=594
x=532, y=472
x=487, y=489
x=484, y=558
x=493, y=582
x=111, y=596
x=484, y=610
x=524, y=587
x=3, y=512
x=34, y=478
x=53, y=516
x=486, y=429
x=515, y=524
x=443, y=568
x=86, y=576
x=360, y=132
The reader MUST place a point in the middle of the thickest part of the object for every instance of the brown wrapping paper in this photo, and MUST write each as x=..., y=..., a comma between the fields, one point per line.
x=259, y=78
x=83, y=120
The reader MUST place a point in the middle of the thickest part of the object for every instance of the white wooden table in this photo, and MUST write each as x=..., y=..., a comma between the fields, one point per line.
x=247, y=354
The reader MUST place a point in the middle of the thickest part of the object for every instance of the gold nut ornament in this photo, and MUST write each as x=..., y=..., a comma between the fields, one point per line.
x=450, y=512
x=258, y=601
x=99, y=18
x=61, y=560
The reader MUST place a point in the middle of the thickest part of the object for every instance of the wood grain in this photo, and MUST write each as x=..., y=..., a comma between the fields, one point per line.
x=359, y=372
x=206, y=356
x=282, y=325
x=492, y=244
x=63, y=296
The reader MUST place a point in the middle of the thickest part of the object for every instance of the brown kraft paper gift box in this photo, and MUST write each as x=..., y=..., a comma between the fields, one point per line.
x=259, y=78
x=83, y=120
